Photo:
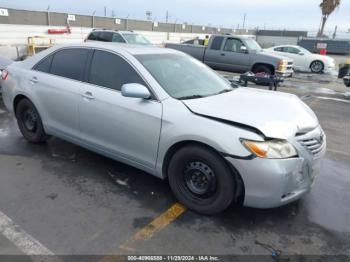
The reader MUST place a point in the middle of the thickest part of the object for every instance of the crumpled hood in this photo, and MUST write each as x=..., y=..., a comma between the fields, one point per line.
x=275, y=114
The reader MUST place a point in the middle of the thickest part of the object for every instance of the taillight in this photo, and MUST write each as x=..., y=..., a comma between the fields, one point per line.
x=4, y=74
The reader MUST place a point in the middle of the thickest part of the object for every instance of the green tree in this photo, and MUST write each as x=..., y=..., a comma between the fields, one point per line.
x=327, y=8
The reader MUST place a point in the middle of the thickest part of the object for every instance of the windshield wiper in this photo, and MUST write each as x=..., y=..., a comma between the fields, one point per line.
x=190, y=97
x=224, y=91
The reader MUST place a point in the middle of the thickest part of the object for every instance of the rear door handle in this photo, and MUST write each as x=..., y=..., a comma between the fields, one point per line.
x=88, y=95
x=34, y=80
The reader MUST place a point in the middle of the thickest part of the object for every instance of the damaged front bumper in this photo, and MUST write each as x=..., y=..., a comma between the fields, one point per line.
x=270, y=183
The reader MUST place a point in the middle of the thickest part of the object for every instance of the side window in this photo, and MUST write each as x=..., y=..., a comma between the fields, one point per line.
x=117, y=38
x=293, y=50
x=112, y=71
x=44, y=65
x=106, y=36
x=279, y=49
x=93, y=36
x=233, y=45
x=217, y=42
x=69, y=63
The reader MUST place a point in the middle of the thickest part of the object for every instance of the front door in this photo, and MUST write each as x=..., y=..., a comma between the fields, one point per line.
x=233, y=57
x=128, y=128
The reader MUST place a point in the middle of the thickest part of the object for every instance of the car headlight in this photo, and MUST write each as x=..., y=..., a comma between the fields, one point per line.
x=271, y=148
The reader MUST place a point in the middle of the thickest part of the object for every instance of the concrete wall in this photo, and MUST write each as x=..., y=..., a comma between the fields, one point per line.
x=268, y=41
x=24, y=17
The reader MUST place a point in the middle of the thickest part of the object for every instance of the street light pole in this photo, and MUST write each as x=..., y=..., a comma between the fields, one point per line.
x=93, y=19
x=48, y=15
x=244, y=18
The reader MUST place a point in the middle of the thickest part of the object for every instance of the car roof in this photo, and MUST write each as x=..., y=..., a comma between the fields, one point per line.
x=286, y=46
x=113, y=31
x=122, y=47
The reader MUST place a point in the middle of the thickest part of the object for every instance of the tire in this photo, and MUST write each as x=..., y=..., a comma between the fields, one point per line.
x=29, y=122
x=188, y=170
x=262, y=69
x=317, y=67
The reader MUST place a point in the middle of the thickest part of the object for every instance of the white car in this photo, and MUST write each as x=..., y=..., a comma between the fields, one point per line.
x=304, y=60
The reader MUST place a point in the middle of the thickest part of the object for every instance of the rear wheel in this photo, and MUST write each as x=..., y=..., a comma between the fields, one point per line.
x=317, y=67
x=201, y=179
x=29, y=122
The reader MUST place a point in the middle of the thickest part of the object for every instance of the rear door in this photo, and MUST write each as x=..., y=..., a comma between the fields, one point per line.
x=56, y=81
x=126, y=128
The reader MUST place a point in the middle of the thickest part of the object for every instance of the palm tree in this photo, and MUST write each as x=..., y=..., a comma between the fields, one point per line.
x=327, y=7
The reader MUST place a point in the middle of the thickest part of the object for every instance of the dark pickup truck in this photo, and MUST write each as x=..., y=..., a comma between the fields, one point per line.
x=237, y=54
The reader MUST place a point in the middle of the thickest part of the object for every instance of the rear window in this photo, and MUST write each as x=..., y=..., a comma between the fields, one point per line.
x=106, y=36
x=69, y=63
x=217, y=42
x=94, y=36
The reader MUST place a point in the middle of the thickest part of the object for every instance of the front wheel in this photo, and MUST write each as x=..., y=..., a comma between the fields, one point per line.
x=317, y=67
x=29, y=122
x=201, y=179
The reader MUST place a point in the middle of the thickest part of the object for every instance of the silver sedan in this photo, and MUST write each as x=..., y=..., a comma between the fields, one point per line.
x=168, y=114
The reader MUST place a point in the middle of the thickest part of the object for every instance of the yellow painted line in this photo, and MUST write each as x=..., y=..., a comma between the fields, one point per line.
x=150, y=230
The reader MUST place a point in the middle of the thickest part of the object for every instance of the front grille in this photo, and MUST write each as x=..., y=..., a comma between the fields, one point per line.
x=314, y=143
x=290, y=63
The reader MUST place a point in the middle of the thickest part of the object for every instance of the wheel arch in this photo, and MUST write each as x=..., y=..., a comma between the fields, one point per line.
x=17, y=99
x=240, y=188
x=270, y=66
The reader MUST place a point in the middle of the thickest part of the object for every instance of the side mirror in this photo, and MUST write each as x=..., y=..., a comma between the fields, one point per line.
x=244, y=49
x=301, y=53
x=135, y=90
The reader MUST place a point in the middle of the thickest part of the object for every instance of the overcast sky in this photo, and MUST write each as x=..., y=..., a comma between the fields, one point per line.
x=274, y=14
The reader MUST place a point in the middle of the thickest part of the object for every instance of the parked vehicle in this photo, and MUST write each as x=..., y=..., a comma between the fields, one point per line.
x=170, y=115
x=237, y=54
x=127, y=37
x=304, y=60
x=4, y=62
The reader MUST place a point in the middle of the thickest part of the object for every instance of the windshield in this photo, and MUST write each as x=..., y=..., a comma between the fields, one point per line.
x=136, y=39
x=252, y=44
x=184, y=77
x=303, y=50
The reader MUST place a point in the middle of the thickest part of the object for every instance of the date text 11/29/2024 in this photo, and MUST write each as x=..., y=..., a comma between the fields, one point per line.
x=173, y=258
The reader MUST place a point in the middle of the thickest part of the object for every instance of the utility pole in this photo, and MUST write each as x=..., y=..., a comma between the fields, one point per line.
x=126, y=22
x=244, y=18
x=167, y=16
x=335, y=32
x=93, y=18
x=105, y=11
x=48, y=15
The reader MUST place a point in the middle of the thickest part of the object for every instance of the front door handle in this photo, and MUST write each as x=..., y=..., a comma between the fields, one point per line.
x=88, y=95
x=34, y=80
